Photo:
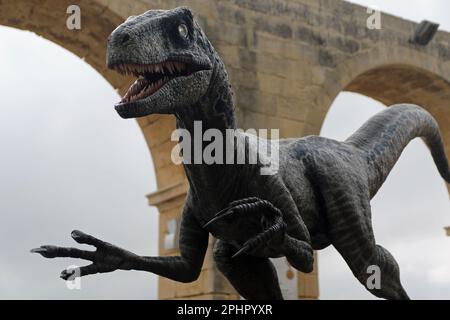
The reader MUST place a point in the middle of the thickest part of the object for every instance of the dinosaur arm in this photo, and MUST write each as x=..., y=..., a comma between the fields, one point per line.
x=108, y=257
x=275, y=190
x=283, y=229
x=186, y=267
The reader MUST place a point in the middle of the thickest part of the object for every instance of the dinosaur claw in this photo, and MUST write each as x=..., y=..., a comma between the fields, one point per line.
x=241, y=251
x=210, y=222
x=75, y=234
x=66, y=274
x=38, y=250
x=230, y=209
x=220, y=215
x=222, y=211
x=45, y=251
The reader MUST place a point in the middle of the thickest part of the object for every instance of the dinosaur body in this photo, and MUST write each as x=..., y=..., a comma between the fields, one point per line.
x=320, y=195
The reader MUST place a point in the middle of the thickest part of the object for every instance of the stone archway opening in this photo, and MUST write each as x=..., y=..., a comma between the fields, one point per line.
x=68, y=162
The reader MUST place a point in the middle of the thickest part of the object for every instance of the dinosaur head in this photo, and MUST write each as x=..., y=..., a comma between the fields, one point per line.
x=168, y=54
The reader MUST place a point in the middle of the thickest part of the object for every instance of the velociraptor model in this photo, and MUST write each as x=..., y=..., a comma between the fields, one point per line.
x=320, y=195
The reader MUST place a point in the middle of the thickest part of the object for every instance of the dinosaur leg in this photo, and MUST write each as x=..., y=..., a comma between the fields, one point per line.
x=347, y=204
x=370, y=263
x=254, y=278
x=352, y=236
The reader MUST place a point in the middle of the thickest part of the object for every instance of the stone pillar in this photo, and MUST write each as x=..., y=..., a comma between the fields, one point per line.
x=308, y=283
x=211, y=284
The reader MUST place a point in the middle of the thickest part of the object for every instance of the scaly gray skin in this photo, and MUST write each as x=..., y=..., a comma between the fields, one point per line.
x=320, y=196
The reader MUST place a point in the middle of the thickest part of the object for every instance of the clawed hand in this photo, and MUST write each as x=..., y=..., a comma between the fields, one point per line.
x=272, y=222
x=105, y=258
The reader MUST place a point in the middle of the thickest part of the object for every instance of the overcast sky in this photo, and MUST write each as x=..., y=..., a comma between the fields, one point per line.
x=69, y=162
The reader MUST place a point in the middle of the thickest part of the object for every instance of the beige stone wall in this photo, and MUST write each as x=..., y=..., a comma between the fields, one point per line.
x=288, y=59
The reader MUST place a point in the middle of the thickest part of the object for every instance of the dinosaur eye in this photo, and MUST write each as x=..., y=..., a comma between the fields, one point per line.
x=183, y=30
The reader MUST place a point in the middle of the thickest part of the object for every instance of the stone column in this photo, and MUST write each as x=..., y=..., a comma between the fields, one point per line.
x=211, y=284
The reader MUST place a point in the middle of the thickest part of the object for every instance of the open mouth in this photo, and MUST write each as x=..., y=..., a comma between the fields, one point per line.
x=152, y=77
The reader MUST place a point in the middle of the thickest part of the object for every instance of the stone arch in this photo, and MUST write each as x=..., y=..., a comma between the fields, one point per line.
x=393, y=75
x=48, y=19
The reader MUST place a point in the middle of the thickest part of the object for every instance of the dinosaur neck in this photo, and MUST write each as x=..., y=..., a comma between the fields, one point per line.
x=215, y=111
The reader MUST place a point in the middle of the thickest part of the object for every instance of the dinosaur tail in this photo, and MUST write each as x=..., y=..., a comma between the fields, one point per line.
x=383, y=138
